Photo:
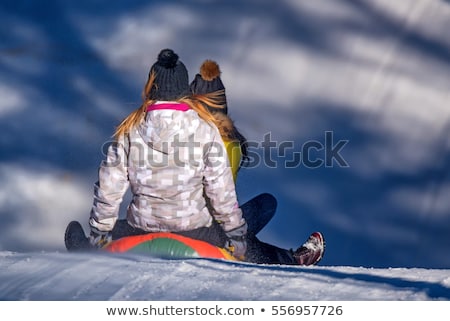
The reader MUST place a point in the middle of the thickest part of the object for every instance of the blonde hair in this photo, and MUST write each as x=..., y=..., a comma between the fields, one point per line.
x=196, y=102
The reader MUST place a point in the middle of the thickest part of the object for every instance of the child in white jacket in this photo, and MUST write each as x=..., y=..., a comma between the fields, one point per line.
x=169, y=156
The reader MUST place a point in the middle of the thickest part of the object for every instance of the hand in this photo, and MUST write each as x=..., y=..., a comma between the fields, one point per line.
x=237, y=241
x=99, y=239
x=237, y=248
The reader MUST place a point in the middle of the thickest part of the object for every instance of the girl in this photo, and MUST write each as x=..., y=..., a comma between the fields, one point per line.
x=167, y=152
x=259, y=210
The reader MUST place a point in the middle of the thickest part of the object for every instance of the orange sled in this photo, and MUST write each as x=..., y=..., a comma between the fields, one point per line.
x=168, y=245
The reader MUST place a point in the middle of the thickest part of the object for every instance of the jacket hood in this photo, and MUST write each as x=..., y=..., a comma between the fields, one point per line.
x=168, y=126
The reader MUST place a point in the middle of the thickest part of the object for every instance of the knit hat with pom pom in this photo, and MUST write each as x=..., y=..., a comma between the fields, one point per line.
x=172, y=80
x=208, y=81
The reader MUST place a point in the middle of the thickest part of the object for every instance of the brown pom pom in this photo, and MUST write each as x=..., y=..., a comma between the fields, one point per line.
x=209, y=70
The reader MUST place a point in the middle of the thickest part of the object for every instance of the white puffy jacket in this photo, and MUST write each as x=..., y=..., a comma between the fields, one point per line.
x=169, y=161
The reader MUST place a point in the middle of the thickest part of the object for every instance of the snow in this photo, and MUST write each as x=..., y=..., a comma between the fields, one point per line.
x=374, y=73
x=64, y=276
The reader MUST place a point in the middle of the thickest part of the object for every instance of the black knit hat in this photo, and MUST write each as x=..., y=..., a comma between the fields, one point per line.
x=208, y=81
x=172, y=80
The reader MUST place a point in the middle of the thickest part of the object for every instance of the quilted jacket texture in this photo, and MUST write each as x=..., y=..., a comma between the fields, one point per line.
x=170, y=162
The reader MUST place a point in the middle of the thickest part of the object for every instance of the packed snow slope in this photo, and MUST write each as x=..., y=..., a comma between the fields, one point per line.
x=64, y=276
x=351, y=96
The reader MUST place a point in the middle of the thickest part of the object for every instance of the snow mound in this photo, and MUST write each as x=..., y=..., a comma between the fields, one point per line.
x=84, y=276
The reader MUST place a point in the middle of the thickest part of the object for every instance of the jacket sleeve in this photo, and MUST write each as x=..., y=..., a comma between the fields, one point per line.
x=110, y=188
x=220, y=187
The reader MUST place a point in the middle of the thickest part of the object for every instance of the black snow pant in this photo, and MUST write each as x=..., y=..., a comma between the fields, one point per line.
x=257, y=251
x=257, y=213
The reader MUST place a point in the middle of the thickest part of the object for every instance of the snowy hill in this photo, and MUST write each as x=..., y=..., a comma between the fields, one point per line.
x=373, y=75
x=62, y=276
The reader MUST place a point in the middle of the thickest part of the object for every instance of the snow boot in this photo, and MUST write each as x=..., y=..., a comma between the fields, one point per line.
x=75, y=239
x=311, y=252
